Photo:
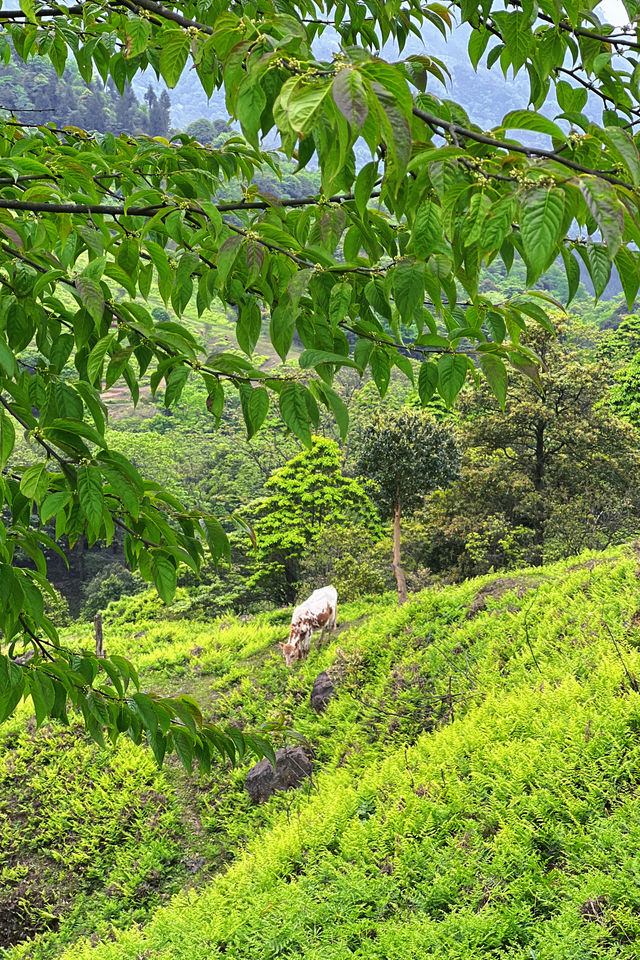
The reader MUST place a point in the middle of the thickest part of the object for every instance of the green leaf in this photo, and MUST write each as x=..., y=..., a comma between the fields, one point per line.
x=540, y=226
x=146, y=709
x=339, y=302
x=606, y=210
x=530, y=120
x=293, y=407
x=627, y=267
x=173, y=55
x=396, y=128
x=248, y=326
x=258, y=408
x=137, y=34
x=338, y=408
x=597, y=262
x=42, y=694
x=95, y=361
x=91, y=496
x=427, y=381
x=226, y=256
x=184, y=747
x=53, y=503
x=478, y=41
x=427, y=230
x=303, y=105
x=217, y=539
x=452, y=370
x=28, y=7
x=7, y=438
x=281, y=330
x=164, y=576
x=7, y=359
x=91, y=297
x=364, y=186
x=128, y=256
x=496, y=374
x=350, y=96
x=35, y=482
x=380, y=369
x=572, y=269
x=408, y=289
x=496, y=326
x=515, y=28
x=249, y=106
x=312, y=358
x=622, y=146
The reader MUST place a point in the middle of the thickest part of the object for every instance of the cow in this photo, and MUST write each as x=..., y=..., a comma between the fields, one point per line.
x=319, y=612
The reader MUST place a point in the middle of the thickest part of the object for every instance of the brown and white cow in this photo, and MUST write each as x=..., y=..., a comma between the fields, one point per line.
x=319, y=612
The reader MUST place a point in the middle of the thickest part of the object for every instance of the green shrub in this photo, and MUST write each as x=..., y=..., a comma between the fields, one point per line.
x=111, y=583
x=350, y=558
x=57, y=608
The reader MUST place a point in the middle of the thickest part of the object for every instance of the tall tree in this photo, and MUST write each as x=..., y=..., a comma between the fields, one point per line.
x=406, y=455
x=386, y=258
x=554, y=474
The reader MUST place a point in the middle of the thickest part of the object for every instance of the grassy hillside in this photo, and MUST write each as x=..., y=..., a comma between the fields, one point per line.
x=475, y=790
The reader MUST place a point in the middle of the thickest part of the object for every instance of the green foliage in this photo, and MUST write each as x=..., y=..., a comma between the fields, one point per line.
x=34, y=91
x=111, y=583
x=553, y=475
x=307, y=495
x=625, y=395
x=83, y=833
x=407, y=455
x=381, y=261
x=475, y=787
x=351, y=559
x=56, y=608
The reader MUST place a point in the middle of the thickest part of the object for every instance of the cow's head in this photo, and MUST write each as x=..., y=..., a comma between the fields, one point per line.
x=291, y=652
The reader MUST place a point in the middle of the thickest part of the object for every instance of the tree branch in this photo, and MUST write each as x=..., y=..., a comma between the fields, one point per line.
x=437, y=122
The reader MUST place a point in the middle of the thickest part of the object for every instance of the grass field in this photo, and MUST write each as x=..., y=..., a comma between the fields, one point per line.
x=475, y=789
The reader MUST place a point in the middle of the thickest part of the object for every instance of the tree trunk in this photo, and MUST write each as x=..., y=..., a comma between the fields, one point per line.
x=538, y=483
x=98, y=630
x=397, y=569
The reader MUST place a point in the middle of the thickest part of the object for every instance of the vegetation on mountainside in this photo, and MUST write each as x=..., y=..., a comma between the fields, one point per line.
x=552, y=475
x=379, y=268
x=306, y=497
x=513, y=504
x=474, y=789
x=34, y=92
x=405, y=456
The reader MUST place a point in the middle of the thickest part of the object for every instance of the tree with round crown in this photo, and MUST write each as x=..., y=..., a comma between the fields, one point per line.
x=383, y=263
x=406, y=455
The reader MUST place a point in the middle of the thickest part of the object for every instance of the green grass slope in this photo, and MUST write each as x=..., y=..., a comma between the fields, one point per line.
x=475, y=790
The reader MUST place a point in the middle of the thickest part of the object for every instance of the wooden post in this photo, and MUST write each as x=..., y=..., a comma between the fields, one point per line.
x=97, y=622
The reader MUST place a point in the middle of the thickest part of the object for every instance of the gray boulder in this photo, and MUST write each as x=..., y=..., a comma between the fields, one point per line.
x=292, y=768
x=323, y=690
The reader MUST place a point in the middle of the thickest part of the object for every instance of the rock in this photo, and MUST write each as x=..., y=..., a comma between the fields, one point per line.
x=292, y=768
x=496, y=589
x=323, y=691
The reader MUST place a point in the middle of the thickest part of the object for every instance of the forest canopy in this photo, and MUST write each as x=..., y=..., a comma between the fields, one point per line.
x=381, y=268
